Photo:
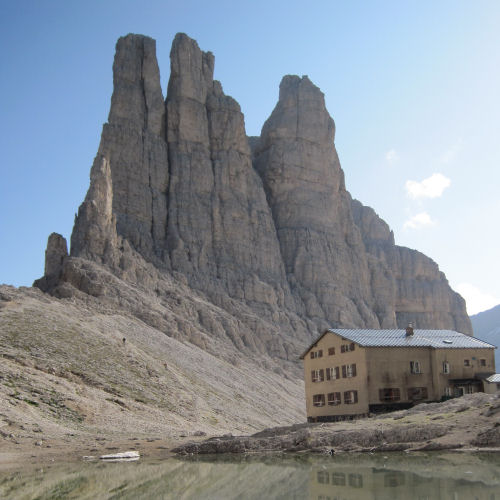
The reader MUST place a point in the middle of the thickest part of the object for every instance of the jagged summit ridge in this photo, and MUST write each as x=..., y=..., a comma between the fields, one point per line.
x=268, y=233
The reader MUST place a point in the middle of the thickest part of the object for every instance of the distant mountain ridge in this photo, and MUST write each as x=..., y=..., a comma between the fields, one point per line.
x=486, y=327
x=262, y=231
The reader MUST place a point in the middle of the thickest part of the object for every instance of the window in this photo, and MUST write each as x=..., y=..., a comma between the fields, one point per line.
x=323, y=477
x=347, y=347
x=389, y=394
x=332, y=373
x=338, y=478
x=393, y=479
x=350, y=397
x=446, y=367
x=482, y=362
x=466, y=362
x=319, y=400
x=334, y=398
x=331, y=351
x=447, y=391
x=349, y=371
x=316, y=354
x=417, y=393
x=356, y=480
x=317, y=375
x=415, y=367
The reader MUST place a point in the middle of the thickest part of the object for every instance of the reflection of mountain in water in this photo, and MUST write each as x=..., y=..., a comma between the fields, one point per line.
x=347, y=477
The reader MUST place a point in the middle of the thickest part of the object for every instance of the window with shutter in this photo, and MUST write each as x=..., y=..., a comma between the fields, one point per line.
x=350, y=397
x=415, y=367
x=319, y=400
x=417, y=393
x=338, y=479
x=323, y=477
x=389, y=394
x=334, y=398
x=331, y=373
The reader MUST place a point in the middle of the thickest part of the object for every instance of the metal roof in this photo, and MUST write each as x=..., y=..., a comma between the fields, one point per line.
x=494, y=378
x=447, y=339
x=442, y=339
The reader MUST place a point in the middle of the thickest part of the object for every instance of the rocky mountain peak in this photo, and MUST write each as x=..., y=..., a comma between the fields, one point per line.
x=137, y=99
x=191, y=70
x=300, y=114
x=268, y=245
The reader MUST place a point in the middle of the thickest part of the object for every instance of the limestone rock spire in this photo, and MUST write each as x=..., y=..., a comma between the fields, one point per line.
x=94, y=234
x=137, y=99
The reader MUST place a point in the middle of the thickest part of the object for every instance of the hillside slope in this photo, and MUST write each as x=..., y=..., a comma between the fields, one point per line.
x=66, y=370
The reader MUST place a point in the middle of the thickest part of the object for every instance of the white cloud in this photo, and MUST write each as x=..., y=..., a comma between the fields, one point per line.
x=432, y=187
x=476, y=299
x=392, y=156
x=419, y=221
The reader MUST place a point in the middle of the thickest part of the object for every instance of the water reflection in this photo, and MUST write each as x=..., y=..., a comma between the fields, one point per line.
x=344, y=477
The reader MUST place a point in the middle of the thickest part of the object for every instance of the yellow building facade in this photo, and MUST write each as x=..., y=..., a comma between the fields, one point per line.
x=351, y=373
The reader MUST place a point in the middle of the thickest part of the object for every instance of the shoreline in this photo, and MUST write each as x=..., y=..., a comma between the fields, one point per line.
x=470, y=424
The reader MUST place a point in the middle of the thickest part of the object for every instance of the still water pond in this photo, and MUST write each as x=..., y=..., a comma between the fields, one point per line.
x=345, y=477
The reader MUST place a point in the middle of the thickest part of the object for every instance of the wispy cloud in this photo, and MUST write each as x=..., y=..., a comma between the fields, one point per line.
x=419, y=221
x=432, y=187
x=392, y=156
x=476, y=299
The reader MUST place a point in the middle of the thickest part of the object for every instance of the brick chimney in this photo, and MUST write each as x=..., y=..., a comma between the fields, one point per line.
x=409, y=330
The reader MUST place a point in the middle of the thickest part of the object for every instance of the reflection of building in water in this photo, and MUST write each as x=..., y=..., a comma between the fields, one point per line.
x=349, y=373
x=343, y=483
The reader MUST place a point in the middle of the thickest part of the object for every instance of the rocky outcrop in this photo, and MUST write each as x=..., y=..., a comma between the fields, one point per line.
x=474, y=425
x=203, y=233
x=407, y=281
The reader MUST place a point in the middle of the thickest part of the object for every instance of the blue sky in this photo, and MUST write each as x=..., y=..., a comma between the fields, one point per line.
x=413, y=86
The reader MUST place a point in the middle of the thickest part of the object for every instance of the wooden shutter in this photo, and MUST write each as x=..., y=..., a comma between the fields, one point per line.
x=344, y=371
x=353, y=369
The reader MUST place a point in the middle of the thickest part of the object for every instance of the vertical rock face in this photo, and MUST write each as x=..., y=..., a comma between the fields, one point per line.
x=133, y=146
x=220, y=229
x=269, y=235
x=322, y=249
x=406, y=280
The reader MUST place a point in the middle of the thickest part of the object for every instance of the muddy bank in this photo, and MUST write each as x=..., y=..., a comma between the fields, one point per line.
x=470, y=422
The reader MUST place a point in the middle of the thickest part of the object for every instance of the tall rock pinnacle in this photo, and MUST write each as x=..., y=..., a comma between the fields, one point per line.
x=220, y=229
x=133, y=145
x=321, y=247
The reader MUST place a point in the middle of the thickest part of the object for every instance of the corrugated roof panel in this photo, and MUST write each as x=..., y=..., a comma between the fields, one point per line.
x=494, y=378
x=420, y=338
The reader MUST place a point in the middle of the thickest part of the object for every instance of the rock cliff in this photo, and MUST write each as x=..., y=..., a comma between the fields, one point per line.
x=205, y=233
